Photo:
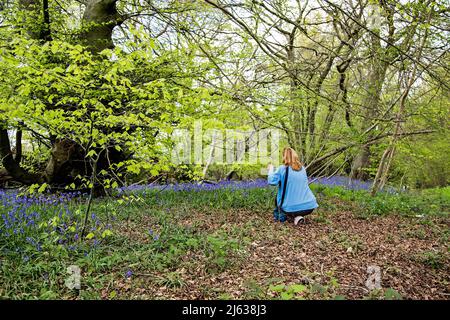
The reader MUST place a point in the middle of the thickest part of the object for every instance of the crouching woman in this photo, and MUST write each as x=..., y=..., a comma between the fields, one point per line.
x=295, y=199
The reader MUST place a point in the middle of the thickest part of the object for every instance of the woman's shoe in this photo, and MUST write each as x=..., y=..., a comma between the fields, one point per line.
x=298, y=220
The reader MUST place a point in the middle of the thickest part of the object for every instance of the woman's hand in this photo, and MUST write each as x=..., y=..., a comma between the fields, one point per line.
x=270, y=167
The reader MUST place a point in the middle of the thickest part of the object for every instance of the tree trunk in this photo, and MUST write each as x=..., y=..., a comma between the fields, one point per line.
x=386, y=160
x=67, y=158
x=65, y=163
x=18, y=149
x=360, y=163
x=10, y=162
x=382, y=58
x=376, y=79
x=99, y=20
x=11, y=165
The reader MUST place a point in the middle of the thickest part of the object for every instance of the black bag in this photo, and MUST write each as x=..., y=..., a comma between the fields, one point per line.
x=278, y=212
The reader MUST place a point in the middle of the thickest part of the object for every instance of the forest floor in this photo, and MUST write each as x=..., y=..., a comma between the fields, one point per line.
x=328, y=257
x=224, y=244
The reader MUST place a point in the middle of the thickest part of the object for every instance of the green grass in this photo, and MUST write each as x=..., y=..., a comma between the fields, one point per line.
x=433, y=259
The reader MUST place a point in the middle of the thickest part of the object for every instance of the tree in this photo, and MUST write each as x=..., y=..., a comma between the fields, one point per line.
x=337, y=72
x=97, y=105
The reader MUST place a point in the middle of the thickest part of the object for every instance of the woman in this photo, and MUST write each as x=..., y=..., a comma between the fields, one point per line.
x=299, y=201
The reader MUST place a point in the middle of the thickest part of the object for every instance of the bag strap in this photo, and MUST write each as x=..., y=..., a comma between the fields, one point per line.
x=284, y=187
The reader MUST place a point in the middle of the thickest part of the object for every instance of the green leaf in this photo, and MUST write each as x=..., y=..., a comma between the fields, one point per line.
x=277, y=288
x=91, y=153
x=286, y=296
x=106, y=233
x=391, y=294
x=42, y=188
x=296, y=288
x=90, y=236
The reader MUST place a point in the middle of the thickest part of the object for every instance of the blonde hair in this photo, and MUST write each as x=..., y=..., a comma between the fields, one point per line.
x=290, y=158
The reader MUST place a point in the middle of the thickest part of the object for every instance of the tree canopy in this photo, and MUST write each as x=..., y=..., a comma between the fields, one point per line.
x=91, y=91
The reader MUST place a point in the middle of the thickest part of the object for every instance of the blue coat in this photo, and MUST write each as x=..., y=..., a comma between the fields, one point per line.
x=298, y=194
